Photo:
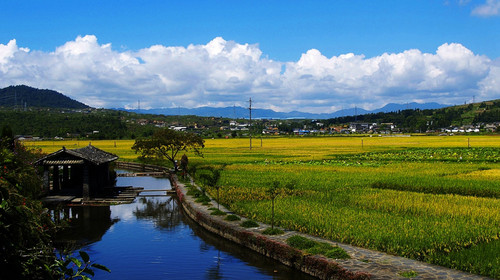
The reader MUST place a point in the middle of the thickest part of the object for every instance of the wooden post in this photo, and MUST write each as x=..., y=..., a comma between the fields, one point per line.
x=46, y=182
x=468, y=142
x=86, y=187
x=65, y=179
x=55, y=179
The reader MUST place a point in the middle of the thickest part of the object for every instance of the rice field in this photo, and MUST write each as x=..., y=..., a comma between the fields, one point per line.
x=435, y=199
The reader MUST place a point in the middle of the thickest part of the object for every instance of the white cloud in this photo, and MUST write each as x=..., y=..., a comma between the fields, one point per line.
x=224, y=73
x=488, y=9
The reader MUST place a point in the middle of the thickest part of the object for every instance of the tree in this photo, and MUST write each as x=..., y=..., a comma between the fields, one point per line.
x=167, y=143
x=273, y=192
x=211, y=179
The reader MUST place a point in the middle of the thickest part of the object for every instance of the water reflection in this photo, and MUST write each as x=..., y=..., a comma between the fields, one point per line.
x=214, y=271
x=151, y=238
x=164, y=213
x=228, y=252
x=86, y=225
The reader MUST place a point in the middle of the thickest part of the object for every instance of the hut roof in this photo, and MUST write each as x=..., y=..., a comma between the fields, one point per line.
x=89, y=153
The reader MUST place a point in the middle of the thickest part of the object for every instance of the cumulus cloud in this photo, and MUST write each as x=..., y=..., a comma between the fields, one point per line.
x=488, y=9
x=227, y=73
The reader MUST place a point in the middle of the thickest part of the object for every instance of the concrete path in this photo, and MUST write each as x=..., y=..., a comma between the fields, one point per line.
x=379, y=265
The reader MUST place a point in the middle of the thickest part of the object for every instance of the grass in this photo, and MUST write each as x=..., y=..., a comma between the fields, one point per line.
x=232, y=217
x=408, y=274
x=249, y=224
x=317, y=248
x=273, y=231
x=218, y=212
x=428, y=198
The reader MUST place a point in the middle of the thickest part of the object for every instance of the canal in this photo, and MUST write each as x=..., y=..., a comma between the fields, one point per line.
x=151, y=238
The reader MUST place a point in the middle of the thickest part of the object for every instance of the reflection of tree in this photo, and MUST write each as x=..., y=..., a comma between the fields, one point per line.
x=214, y=272
x=164, y=213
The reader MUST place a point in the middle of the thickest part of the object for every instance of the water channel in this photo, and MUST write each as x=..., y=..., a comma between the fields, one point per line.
x=151, y=238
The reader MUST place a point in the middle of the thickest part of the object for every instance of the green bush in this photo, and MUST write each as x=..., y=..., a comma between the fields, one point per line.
x=249, y=224
x=194, y=192
x=300, y=242
x=217, y=212
x=273, y=231
x=317, y=248
x=232, y=218
x=337, y=253
x=203, y=199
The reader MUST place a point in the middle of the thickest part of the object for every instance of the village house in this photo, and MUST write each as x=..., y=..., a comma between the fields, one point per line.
x=80, y=172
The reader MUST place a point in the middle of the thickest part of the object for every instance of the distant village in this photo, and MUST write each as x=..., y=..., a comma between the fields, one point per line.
x=272, y=127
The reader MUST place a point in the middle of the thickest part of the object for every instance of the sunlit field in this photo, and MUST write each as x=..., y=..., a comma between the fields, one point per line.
x=435, y=199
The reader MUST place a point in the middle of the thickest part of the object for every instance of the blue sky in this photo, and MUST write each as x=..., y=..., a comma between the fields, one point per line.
x=287, y=55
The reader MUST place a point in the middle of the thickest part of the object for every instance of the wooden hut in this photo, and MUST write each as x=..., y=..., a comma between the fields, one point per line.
x=83, y=171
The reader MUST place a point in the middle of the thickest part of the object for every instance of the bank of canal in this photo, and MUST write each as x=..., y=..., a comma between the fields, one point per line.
x=151, y=238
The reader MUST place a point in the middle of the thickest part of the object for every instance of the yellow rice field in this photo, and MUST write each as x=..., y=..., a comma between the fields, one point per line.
x=425, y=197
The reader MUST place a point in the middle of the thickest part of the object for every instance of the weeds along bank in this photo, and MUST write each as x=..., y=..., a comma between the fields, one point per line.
x=427, y=198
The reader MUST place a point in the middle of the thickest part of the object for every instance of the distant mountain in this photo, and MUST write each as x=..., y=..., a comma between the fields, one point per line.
x=393, y=107
x=21, y=96
x=240, y=112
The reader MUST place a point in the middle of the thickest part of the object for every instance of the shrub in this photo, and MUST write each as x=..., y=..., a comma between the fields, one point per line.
x=203, y=199
x=249, y=224
x=317, y=248
x=273, y=231
x=218, y=212
x=194, y=192
x=337, y=253
x=232, y=218
x=300, y=242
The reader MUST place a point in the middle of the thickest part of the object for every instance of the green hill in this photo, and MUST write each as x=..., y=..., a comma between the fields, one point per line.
x=21, y=96
x=424, y=120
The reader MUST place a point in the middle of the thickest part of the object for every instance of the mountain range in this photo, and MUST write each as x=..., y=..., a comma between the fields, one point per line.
x=243, y=113
x=21, y=96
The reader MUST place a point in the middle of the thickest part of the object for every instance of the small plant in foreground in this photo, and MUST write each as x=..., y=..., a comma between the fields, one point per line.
x=337, y=253
x=273, y=231
x=409, y=274
x=249, y=224
x=300, y=242
x=232, y=217
x=218, y=212
x=194, y=192
x=65, y=267
x=317, y=248
x=203, y=199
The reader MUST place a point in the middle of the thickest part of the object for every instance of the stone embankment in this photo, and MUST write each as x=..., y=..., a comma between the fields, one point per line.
x=363, y=264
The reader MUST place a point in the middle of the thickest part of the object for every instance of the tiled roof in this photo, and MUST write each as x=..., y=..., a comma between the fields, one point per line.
x=93, y=154
x=89, y=153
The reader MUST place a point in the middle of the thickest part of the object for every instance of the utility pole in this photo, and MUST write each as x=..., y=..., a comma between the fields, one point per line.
x=250, y=123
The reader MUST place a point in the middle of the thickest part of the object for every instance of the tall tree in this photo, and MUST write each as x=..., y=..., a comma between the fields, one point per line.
x=167, y=143
x=273, y=192
x=211, y=179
